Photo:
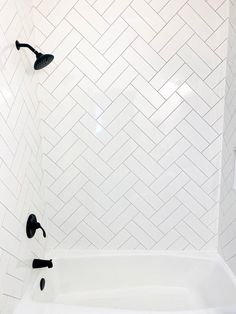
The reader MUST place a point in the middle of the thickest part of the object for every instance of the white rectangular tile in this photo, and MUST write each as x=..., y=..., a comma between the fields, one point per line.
x=190, y=203
x=122, y=119
x=86, y=102
x=139, y=137
x=175, y=118
x=165, y=179
x=119, y=46
x=85, y=66
x=113, y=110
x=91, y=16
x=189, y=168
x=194, y=61
x=95, y=93
x=148, y=14
x=114, y=145
x=82, y=26
x=204, y=51
x=148, y=91
x=96, y=161
x=116, y=177
x=167, y=72
x=189, y=234
x=112, y=73
x=115, y=211
x=100, y=228
x=149, y=54
x=148, y=128
x=140, y=65
x=93, y=55
x=193, y=99
x=123, y=219
x=67, y=84
x=192, y=135
x=168, y=31
x=96, y=129
x=97, y=194
x=71, y=189
x=123, y=187
x=135, y=199
x=176, y=42
x=60, y=11
x=194, y=20
x=121, y=83
x=202, y=127
x=139, y=170
x=139, y=101
x=88, y=137
x=122, y=154
x=198, y=159
x=140, y=235
x=115, y=10
x=198, y=194
x=171, y=9
x=110, y=36
x=174, y=153
x=173, y=219
x=201, y=88
x=206, y=13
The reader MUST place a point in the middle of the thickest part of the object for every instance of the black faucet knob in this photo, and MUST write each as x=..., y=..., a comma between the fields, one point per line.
x=32, y=225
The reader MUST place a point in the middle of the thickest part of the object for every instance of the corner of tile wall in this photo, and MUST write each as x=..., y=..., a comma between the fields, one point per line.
x=20, y=155
x=227, y=220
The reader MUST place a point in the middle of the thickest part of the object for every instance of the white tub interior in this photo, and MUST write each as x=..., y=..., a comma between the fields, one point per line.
x=137, y=282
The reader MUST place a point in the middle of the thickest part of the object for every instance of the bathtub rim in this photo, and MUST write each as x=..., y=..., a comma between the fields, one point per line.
x=191, y=254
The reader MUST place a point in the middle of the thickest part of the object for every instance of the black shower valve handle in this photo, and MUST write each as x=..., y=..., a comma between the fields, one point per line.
x=38, y=226
x=32, y=225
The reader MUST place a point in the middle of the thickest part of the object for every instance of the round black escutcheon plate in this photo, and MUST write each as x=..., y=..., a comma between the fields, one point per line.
x=42, y=283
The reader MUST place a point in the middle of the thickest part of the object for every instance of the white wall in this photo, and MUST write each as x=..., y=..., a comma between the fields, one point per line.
x=227, y=225
x=132, y=121
x=20, y=156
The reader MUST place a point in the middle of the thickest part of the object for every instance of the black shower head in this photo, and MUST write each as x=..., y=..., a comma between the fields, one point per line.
x=42, y=60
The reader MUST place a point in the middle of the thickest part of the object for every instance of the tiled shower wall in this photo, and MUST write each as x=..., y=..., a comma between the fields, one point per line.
x=227, y=226
x=132, y=121
x=20, y=171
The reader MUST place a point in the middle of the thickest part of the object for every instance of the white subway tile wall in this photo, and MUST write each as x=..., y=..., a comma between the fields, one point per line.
x=227, y=223
x=20, y=155
x=132, y=119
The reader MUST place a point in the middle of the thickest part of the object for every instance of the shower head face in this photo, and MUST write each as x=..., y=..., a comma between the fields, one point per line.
x=42, y=61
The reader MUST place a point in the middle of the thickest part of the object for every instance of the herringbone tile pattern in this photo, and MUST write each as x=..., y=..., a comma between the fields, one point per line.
x=227, y=225
x=20, y=155
x=132, y=121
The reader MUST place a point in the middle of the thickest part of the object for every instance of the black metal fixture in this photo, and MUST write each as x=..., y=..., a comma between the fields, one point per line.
x=32, y=225
x=41, y=263
x=42, y=60
x=42, y=284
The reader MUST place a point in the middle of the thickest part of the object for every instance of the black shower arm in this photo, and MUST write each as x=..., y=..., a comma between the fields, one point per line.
x=23, y=45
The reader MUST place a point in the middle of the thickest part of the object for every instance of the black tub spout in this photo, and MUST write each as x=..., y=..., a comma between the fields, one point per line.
x=40, y=263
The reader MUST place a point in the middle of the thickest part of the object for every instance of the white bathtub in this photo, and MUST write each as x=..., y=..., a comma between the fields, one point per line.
x=128, y=282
